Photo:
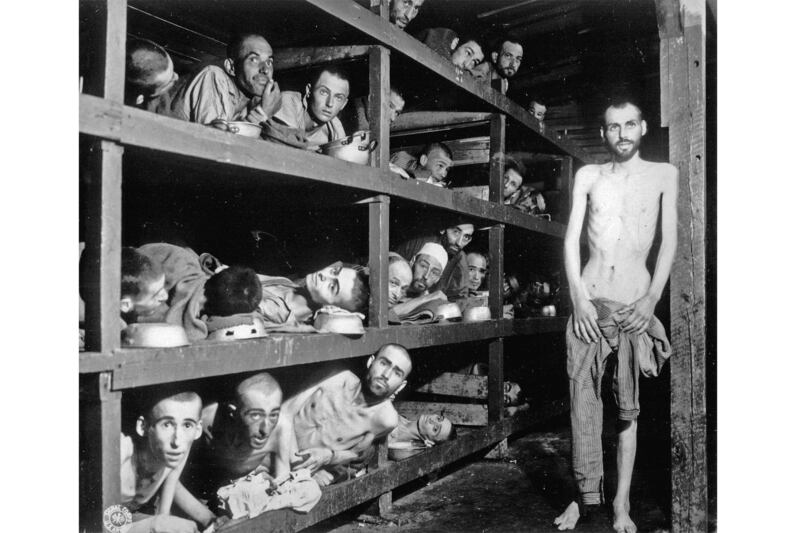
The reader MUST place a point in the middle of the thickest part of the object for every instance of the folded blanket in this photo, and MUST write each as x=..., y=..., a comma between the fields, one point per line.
x=422, y=314
x=185, y=284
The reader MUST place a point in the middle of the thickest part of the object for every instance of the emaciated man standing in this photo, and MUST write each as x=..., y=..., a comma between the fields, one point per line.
x=613, y=300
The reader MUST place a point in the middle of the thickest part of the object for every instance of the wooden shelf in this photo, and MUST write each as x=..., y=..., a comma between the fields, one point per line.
x=134, y=367
x=134, y=127
x=342, y=496
x=399, y=41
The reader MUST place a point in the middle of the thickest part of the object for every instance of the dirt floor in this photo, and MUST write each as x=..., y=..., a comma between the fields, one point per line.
x=523, y=492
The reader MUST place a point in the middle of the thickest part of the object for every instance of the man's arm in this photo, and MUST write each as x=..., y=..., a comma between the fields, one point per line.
x=584, y=315
x=190, y=505
x=638, y=321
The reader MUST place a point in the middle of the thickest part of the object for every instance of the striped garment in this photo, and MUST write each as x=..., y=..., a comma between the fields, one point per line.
x=645, y=353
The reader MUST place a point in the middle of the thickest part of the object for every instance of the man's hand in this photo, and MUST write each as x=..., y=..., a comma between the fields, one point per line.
x=323, y=478
x=641, y=314
x=271, y=98
x=584, y=321
x=313, y=458
x=172, y=524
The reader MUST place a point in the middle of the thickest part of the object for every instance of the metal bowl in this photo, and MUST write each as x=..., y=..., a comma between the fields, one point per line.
x=246, y=129
x=354, y=148
x=339, y=321
x=154, y=335
x=242, y=331
x=448, y=312
x=477, y=314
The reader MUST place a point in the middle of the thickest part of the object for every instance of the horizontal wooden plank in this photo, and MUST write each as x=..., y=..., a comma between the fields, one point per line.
x=415, y=120
x=342, y=496
x=364, y=20
x=287, y=58
x=135, y=127
x=454, y=384
x=461, y=414
x=147, y=366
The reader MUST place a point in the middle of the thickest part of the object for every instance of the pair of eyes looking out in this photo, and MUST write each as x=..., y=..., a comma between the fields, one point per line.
x=395, y=370
x=170, y=424
x=429, y=269
x=516, y=59
x=258, y=416
x=615, y=128
x=253, y=59
x=324, y=91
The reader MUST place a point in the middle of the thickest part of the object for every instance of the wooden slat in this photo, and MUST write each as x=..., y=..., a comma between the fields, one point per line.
x=342, y=496
x=364, y=20
x=428, y=120
x=379, y=262
x=100, y=467
x=461, y=414
x=455, y=384
x=495, y=381
x=139, y=128
x=288, y=58
x=684, y=64
x=103, y=222
x=379, y=105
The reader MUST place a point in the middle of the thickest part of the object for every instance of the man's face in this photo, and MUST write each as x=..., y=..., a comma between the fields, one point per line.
x=149, y=299
x=257, y=415
x=467, y=55
x=171, y=428
x=509, y=59
x=333, y=285
x=512, y=180
x=511, y=392
x=426, y=272
x=253, y=65
x=437, y=162
x=458, y=237
x=396, y=105
x=328, y=97
x=476, y=264
x=388, y=372
x=399, y=280
x=537, y=110
x=623, y=131
x=435, y=428
x=403, y=11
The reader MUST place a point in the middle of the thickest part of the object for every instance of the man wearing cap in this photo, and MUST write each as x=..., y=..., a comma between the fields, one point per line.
x=427, y=266
x=454, y=281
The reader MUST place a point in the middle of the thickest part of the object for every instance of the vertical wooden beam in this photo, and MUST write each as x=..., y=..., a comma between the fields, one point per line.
x=99, y=455
x=103, y=245
x=379, y=105
x=382, y=506
x=497, y=156
x=682, y=32
x=565, y=183
x=380, y=8
x=106, y=76
x=495, y=380
x=379, y=261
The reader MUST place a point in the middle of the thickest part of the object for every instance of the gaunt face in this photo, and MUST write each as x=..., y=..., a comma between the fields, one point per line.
x=400, y=277
x=170, y=428
x=257, y=415
x=435, y=428
x=512, y=181
x=476, y=264
x=333, y=285
x=458, y=237
x=509, y=59
x=388, y=371
x=403, y=11
x=623, y=131
x=467, y=55
x=253, y=65
x=426, y=272
x=327, y=97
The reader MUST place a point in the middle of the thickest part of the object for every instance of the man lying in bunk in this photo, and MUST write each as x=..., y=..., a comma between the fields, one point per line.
x=152, y=460
x=289, y=305
x=232, y=463
x=142, y=293
x=242, y=90
x=477, y=266
x=454, y=281
x=411, y=437
x=355, y=117
x=334, y=422
x=315, y=112
x=402, y=12
x=503, y=63
x=466, y=53
x=400, y=276
x=431, y=166
x=513, y=176
x=150, y=78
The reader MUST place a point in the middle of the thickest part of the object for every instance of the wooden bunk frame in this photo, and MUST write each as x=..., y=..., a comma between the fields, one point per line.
x=107, y=370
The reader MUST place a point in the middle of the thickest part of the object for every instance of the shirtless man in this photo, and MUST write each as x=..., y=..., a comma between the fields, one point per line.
x=623, y=198
x=335, y=422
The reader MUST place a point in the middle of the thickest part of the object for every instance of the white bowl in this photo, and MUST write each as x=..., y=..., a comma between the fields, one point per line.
x=449, y=311
x=354, y=148
x=154, y=335
x=242, y=331
x=477, y=314
x=339, y=321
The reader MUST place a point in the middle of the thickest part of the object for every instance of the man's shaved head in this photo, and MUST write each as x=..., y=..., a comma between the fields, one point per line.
x=262, y=382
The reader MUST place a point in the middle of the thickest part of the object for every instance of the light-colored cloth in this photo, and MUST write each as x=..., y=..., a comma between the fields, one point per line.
x=276, y=293
x=645, y=353
x=251, y=495
x=185, y=284
x=136, y=491
x=211, y=94
x=436, y=251
x=293, y=113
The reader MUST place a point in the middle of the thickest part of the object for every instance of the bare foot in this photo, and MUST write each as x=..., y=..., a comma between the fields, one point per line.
x=622, y=520
x=568, y=518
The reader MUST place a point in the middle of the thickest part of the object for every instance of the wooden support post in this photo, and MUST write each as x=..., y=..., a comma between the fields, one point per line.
x=496, y=380
x=106, y=75
x=103, y=245
x=382, y=506
x=99, y=454
x=379, y=105
x=565, y=184
x=379, y=261
x=497, y=151
x=683, y=67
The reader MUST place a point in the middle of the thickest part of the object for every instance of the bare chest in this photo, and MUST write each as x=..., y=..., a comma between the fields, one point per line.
x=627, y=198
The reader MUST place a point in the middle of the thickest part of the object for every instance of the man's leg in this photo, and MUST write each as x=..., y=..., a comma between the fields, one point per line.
x=626, y=455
